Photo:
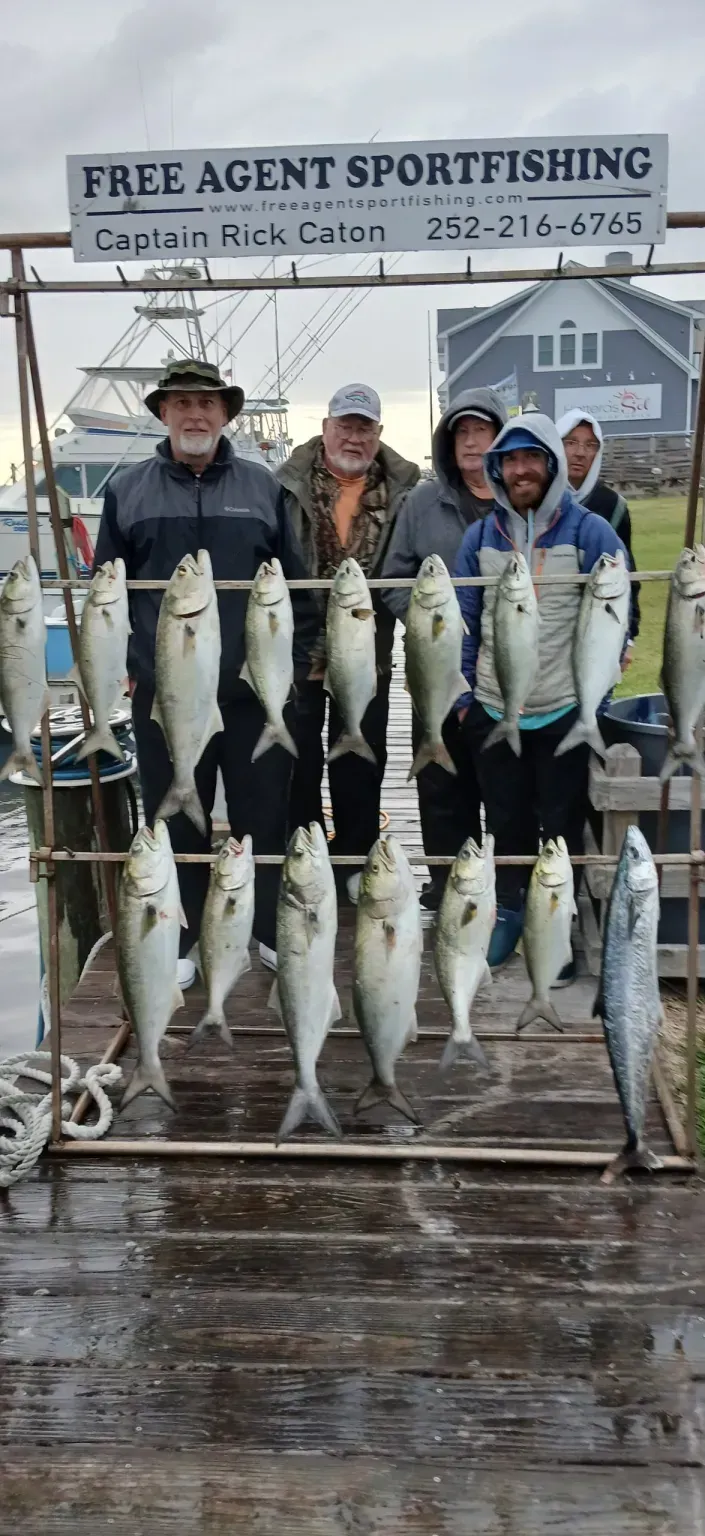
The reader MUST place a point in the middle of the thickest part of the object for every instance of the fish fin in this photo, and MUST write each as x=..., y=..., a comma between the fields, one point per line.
x=464, y=1050
x=177, y=998
x=189, y=638
x=213, y=728
x=469, y=913
x=486, y=979
x=432, y=752
x=599, y=1003
x=156, y=713
x=632, y=915
x=312, y=1103
x=186, y=799
x=461, y=688
x=101, y=741
x=183, y=920
x=413, y=1034
x=505, y=730
x=74, y=676
x=634, y=1155
x=144, y=1078
x=673, y=761
x=612, y=612
x=275, y=735
x=379, y=1093
x=580, y=732
x=438, y=625
x=150, y=918
x=22, y=762
x=246, y=676
x=466, y=631
x=327, y=682
x=336, y=1011
x=213, y=1019
x=534, y=1010
x=357, y=744
x=362, y=613
x=274, y=1000
x=273, y=623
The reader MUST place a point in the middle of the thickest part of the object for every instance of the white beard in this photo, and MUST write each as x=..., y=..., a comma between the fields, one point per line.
x=196, y=443
x=349, y=465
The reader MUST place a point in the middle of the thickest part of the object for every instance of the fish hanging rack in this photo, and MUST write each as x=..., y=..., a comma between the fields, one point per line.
x=15, y=305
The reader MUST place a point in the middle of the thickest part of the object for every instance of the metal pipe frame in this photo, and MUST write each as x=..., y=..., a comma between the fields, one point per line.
x=43, y=861
x=375, y=583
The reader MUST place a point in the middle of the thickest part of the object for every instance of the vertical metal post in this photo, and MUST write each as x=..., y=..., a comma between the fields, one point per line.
x=48, y=789
x=691, y=1123
x=697, y=464
x=57, y=530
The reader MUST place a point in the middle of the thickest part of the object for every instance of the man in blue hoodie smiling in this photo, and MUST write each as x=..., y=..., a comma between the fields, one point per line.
x=537, y=794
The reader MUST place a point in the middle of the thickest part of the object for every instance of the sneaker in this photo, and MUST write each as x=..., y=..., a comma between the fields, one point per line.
x=566, y=977
x=505, y=935
x=352, y=885
x=185, y=973
x=268, y=957
x=432, y=895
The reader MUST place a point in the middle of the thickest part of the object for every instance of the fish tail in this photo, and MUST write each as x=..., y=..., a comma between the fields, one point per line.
x=145, y=1077
x=693, y=758
x=183, y=797
x=432, y=752
x=213, y=1019
x=505, y=730
x=275, y=735
x=634, y=1155
x=101, y=741
x=312, y=1102
x=383, y=1093
x=463, y=1050
x=352, y=742
x=582, y=731
x=538, y=1008
x=22, y=762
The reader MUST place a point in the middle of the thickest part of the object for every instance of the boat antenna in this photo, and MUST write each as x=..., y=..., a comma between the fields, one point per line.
x=276, y=334
x=430, y=379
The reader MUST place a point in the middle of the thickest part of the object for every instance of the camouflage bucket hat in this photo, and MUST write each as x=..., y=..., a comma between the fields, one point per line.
x=186, y=373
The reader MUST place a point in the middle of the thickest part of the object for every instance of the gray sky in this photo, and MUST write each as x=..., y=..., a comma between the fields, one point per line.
x=80, y=76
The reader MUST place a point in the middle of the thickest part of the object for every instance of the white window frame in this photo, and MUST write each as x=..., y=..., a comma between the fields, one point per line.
x=557, y=366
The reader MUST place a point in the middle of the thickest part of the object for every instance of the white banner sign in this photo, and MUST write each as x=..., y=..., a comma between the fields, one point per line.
x=445, y=194
x=613, y=402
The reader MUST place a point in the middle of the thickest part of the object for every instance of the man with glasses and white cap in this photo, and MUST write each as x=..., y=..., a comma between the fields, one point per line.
x=343, y=490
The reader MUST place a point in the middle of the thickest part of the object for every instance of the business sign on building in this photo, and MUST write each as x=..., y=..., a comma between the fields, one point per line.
x=444, y=194
x=613, y=402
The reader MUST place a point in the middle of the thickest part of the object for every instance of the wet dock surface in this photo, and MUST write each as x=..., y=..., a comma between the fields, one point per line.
x=210, y=1346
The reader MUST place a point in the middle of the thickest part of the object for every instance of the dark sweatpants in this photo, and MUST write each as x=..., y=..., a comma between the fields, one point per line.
x=449, y=807
x=355, y=785
x=256, y=796
x=535, y=794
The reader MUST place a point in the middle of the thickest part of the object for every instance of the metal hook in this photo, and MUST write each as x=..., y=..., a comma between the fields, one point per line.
x=382, y=272
x=468, y=267
x=122, y=277
x=38, y=280
x=559, y=268
x=649, y=258
x=294, y=273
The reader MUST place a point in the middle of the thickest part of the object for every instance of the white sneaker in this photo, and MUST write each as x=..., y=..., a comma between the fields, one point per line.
x=185, y=973
x=268, y=957
x=353, y=888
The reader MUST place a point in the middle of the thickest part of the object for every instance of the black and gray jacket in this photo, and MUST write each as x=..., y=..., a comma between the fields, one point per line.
x=156, y=512
x=437, y=513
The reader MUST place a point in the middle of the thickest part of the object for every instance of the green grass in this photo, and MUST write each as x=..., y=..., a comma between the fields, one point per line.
x=658, y=526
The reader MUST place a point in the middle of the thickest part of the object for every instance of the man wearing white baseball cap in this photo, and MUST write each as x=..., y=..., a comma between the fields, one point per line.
x=343, y=490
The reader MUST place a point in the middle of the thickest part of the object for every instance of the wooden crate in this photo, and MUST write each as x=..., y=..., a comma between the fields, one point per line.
x=620, y=792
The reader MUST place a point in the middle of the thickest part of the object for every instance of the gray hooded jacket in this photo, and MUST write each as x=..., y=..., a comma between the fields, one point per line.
x=433, y=519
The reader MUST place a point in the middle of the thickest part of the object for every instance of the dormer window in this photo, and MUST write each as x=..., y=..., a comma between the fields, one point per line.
x=568, y=348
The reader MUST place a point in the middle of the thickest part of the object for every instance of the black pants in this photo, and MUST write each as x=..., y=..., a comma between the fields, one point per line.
x=449, y=808
x=256, y=796
x=355, y=785
x=528, y=796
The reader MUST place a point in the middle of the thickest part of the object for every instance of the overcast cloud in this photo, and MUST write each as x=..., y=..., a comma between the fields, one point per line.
x=80, y=76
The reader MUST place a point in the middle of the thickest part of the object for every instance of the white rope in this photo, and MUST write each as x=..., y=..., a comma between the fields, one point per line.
x=27, y=1116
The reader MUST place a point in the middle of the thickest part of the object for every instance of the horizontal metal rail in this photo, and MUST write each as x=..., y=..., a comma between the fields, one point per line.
x=89, y=856
x=577, y=578
x=354, y=1151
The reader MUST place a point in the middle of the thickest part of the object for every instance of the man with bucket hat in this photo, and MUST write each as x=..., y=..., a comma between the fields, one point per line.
x=196, y=493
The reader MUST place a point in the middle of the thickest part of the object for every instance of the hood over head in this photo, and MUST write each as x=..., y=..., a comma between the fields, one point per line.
x=487, y=403
x=564, y=425
x=536, y=431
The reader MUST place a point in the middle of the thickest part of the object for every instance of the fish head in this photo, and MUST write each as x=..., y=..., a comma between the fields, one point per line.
x=234, y=866
x=22, y=589
x=472, y=869
x=269, y=586
x=433, y=584
x=109, y=584
x=553, y=864
x=191, y=586
x=516, y=578
x=306, y=858
x=689, y=574
x=150, y=860
x=608, y=577
x=640, y=870
x=349, y=586
x=386, y=873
